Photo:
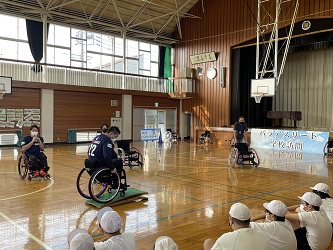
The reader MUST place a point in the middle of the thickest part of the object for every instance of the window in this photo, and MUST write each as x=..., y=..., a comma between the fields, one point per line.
x=74, y=47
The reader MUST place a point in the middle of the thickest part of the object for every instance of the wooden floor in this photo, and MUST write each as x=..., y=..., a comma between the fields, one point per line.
x=190, y=189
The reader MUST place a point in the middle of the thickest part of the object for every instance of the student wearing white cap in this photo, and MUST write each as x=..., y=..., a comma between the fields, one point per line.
x=165, y=243
x=79, y=239
x=323, y=190
x=242, y=237
x=312, y=227
x=110, y=221
x=277, y=231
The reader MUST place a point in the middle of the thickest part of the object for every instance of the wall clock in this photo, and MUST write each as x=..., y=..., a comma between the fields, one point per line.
x=211, y=73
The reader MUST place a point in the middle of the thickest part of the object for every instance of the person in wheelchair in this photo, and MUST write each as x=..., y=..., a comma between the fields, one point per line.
x=240, y=131
x=101, y=152
x=33, y=146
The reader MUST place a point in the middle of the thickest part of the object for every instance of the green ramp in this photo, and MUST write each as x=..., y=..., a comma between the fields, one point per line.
x=131, y=194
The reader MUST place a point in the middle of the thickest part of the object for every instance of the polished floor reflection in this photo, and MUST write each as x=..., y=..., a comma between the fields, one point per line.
x=190, y=189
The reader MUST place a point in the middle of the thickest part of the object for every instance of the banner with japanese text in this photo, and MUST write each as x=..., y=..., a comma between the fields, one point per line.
x=289, y=140
x=150, y=134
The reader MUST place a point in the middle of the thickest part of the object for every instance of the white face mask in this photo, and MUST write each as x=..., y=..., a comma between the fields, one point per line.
x=113, y=139
x=301, y=207
x=34, y=133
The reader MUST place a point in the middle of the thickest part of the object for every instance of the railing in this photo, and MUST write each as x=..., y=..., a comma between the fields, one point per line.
x=58, y=74
x=10, y=137
x=75, y=135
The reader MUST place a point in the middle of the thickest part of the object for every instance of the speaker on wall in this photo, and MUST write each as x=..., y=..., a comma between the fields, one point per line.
x=222, y=76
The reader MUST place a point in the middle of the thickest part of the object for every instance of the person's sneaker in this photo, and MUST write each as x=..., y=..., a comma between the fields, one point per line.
x=42, y=173
x=36, y=173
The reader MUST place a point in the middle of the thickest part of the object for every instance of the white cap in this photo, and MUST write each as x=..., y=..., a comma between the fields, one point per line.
x=277, y=208
x=79, y=239
x=109, y=220
x=165, y=243
x=322, y=187
x=312, y=198
x=240, y=211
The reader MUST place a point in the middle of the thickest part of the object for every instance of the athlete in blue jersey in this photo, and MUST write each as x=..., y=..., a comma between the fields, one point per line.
x=33, y=146
x=101, y=151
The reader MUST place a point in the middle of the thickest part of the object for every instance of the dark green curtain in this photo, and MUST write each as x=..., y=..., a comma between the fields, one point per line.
x=167, y=69
x=19, y=137
x=71, y=136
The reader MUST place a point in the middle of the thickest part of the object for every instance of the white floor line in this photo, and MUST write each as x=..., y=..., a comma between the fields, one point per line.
x=26, y=232
x=9, y=198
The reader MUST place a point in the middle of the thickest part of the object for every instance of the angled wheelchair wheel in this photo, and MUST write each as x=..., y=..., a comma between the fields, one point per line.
x=140, y=157
x=256, y=159
x=233, y=157
x=103, y=185
x=168, y=136
x=23, y=166
x=82, y=183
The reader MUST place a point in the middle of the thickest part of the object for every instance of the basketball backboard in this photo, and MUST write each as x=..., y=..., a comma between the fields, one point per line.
x=264, y=85
x=6, y=84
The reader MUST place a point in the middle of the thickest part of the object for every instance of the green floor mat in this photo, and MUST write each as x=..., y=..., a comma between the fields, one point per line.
x=131, y=194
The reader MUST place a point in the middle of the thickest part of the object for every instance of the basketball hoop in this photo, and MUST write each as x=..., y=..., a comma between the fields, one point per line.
x=2, y=93
x=257, y=96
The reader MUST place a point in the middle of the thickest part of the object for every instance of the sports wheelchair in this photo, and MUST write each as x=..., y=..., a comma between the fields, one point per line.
x=328, y=151
x=242, y=155
x=171, y=136
x=131, y=155
x=206, y=138
x=99, y=184
x=25, y=169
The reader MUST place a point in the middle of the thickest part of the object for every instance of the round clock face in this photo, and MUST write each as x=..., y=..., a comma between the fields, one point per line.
x=306, y=25
x=211, y=73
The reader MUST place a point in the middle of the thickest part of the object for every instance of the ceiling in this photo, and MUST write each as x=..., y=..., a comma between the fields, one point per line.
x=149, y=20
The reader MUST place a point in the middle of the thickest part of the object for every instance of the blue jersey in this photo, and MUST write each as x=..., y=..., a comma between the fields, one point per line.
x=34, y=149
x=101, y=150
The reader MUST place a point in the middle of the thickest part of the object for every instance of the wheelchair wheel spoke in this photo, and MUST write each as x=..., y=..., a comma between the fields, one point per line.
x=104, y=186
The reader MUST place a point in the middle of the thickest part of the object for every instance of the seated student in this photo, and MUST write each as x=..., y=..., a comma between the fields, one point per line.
x=242, y=237
x=79, y=239
x=165, y=243
x=311, y=227
x=323, y=190
x=277, y=231
x=110, y=221
x=33, y=146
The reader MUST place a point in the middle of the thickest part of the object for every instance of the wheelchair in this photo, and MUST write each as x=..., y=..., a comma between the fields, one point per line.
x=131, y=155
x=99, y=184
x=171, y=136
x=328, y=151
x=242, y=155
x=206, y=138
x=25, y=169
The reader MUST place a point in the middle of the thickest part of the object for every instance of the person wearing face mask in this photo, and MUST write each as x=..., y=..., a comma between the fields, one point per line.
x=277, y=231
x=242, y=237
x=104, y=128
x=101, y=151
x=33, y=146
x=312, y=228
x=240, y=131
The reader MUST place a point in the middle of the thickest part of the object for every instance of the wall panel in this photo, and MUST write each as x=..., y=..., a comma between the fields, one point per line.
x=223, y=25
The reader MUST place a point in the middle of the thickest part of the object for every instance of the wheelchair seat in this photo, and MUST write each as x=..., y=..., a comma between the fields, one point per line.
x=242, y=147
